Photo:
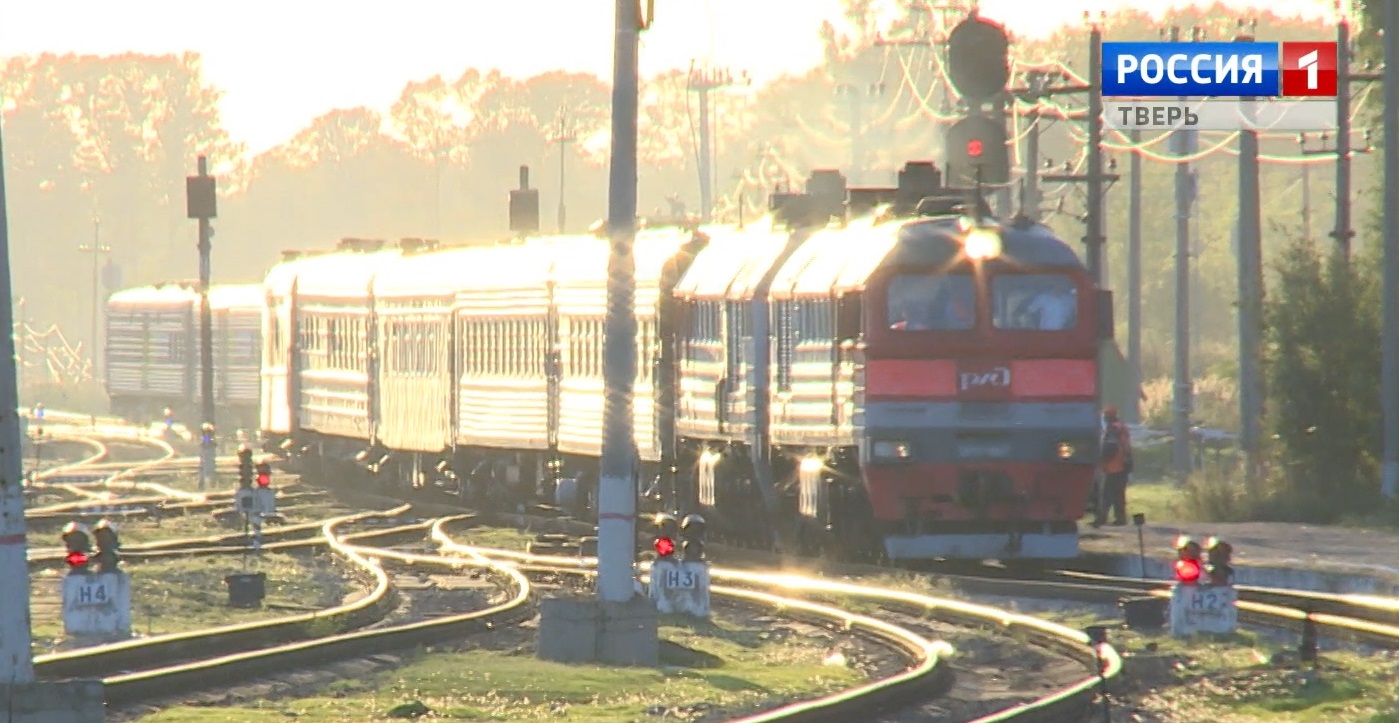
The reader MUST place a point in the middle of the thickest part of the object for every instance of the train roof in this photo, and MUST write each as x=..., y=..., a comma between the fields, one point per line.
x=931, y=241
x=459, y=269
x=158, y=295
x=339, y=275
x=236, y=296
x=734, y=262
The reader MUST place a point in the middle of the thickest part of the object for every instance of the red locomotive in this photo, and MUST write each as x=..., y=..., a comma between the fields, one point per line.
x=872, y=371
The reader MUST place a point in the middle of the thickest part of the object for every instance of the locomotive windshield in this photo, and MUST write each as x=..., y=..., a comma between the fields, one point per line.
x=932, y=301
x=1041, y=302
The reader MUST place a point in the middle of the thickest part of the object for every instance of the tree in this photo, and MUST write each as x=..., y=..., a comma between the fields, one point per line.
x=1322, y=370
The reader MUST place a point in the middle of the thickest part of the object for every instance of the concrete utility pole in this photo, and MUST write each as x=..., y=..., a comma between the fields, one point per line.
x=856, y=96
x=1030, y=190
x=97, y=250
x=21, y=695
x=1184, y=142
x=202, y=203
x=1390, y=347
x=562, y=138
x=1343, y=232
x=1133, y=412
x=1250, y=270
x=703, y=81
x=1095, y=236
x=16, y=657
x=618, y=488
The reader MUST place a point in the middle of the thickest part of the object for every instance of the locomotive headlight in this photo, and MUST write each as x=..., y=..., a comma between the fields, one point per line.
x=891, y=450
x=981, y=244
x=1064, y=450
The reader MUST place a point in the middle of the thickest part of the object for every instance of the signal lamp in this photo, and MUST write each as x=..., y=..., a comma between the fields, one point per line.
x=665, y=547
x=1187, y=572
x=974, y=148
x=264, y=475
x=77, y=561
x=104, y=533
x=169, y=417
x=76, y=539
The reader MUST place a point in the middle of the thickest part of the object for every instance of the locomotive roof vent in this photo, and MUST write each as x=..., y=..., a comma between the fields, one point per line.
x=417, y=245
x=953, y=202
x=360, y=245
x=917, y=180
x=823, y=200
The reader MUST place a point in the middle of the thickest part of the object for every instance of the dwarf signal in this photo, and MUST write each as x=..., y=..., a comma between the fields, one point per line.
x=79, y=545
x=264, y=474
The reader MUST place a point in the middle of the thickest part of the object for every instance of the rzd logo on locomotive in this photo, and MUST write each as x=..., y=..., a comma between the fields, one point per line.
x=997, y=378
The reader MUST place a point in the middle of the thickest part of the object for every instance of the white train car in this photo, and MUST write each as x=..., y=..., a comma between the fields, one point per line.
x=413, y=305
x=236, y=315
x=152, y=350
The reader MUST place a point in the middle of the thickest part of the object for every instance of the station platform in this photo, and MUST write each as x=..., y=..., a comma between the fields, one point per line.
x=1339, y=559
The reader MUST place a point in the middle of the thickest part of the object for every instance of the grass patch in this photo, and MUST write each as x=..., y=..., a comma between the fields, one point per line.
x=189, y=594
x=1249, y=678
x=740, y=666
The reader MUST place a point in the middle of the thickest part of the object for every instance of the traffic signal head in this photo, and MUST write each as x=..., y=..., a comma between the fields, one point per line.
x=692, y=536
x=245, y=466
x=666, y=527
x=76, y=539
x=104, y=534
x=264, y=474
x=1218, y=556
x=978, y=59
x=977, y=143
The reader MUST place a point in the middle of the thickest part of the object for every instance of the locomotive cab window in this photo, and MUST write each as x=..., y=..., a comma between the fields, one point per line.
x=1034, y=302
x=932, y=301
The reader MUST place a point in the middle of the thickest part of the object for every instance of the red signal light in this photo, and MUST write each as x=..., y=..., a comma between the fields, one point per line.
x=264, y=480
x=974, y=148
x=1187, y=571
x=76, y=559
x=665, y=547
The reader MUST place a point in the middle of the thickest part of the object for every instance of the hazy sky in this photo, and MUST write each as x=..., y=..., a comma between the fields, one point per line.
x=284, y=62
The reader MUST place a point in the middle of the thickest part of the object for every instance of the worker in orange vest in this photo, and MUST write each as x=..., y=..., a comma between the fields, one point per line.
x=1117, y=467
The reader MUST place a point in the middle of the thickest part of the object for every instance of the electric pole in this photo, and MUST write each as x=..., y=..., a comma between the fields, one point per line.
x=1390, y=346
x=1250, y=271
x=1343, y=232
x=1184, y=142
x=201, y=201
x=563, y=137
x=856, y=96
x=16, y=654
x=97, y=250
x=1134, y=279
x=1307, y=179
x=1095, y=238
x=703, y=81
x=617, y=487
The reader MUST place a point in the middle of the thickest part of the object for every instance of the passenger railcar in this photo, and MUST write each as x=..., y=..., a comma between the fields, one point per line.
x=152, y=351
x=913, y=380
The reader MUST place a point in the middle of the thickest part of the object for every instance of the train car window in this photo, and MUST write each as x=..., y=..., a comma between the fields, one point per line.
x=1039, y=302
x=177, y=344
x=932, y=301
x=784, y=345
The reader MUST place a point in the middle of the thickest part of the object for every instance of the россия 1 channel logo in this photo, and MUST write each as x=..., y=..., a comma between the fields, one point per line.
x=1166, y=69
